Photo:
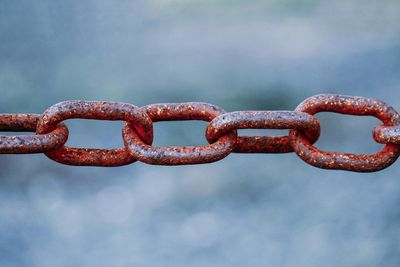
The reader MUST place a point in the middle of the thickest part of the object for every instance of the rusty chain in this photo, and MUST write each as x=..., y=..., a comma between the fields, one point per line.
x=304, y=129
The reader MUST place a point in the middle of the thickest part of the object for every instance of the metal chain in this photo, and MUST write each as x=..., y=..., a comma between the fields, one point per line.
x=221, y=133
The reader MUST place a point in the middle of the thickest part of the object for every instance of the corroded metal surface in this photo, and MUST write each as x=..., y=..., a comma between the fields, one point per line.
x=351, y=105
x=387, y=134
x=99, y=110
x=22, y=144
x=175, y=155
x=221, y=133
x=263, y=120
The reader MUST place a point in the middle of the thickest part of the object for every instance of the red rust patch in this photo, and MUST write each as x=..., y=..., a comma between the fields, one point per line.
x=387, y=134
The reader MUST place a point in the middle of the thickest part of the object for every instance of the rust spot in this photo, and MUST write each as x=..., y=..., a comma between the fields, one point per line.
x=387, y=134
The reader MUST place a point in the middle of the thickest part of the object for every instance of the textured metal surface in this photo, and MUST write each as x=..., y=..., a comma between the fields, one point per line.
x=133, y=115
x=22, y=144
x=263, y=120
x=221, y=133
x=351, y=105
x=174, y=155
x=387, y=134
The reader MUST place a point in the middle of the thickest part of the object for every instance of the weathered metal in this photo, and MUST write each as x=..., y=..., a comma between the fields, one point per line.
x=263, y=120
x=387, y=134
x=23, y=144
x=174, y=155
x=221, y=133
x=98, y=110
x=351, y=105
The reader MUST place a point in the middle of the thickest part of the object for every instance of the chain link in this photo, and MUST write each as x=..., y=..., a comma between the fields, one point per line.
x=173, y=155
x=22, y=144
x=350, y=105
x=221, y=133
x=263, y=120
x=133, y=115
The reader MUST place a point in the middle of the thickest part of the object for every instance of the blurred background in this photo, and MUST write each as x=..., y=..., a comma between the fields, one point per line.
x=245, y=210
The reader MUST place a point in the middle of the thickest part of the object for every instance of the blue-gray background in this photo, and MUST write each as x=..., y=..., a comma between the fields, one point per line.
x=246, y=210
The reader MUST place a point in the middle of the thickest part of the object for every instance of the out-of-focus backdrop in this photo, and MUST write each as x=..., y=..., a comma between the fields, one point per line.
x=246, y=210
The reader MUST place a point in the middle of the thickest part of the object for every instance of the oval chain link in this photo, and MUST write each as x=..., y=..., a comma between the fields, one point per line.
x=26, y=144
x=133, y=115
x=263, y=120
x=176, y=155
x=351, y=105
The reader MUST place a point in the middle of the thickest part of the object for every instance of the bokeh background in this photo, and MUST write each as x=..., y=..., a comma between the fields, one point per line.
x=245, y=210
